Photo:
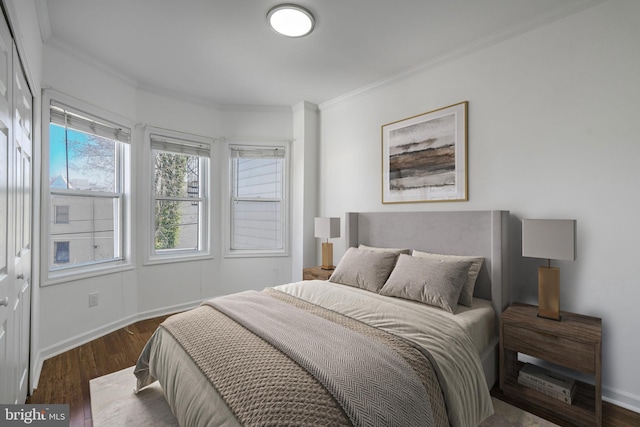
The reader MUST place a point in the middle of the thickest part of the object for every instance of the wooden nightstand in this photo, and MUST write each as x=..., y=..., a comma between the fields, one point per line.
x=575, y=343
x=316, y=273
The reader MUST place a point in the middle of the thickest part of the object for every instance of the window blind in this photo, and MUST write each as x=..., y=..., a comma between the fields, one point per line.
x=181, y=146
x=257, y=152
x=68, y=117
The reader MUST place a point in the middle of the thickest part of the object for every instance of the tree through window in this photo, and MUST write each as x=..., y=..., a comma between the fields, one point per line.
x=180, y=196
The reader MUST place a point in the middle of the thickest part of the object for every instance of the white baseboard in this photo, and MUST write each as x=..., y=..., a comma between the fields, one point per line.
x=36, y=371
x=78, y=340
x=621, y=398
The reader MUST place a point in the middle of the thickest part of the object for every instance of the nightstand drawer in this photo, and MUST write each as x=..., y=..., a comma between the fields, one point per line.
x=316, y=273
x=560, y=350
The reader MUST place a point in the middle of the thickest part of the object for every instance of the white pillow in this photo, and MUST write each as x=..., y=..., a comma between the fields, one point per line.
x=427, y=280
x=466, y=296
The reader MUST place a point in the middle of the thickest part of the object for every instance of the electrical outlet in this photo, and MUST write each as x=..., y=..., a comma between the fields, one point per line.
x=93, y=299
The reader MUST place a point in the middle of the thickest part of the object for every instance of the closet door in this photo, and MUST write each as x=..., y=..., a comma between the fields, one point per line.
x=8, y=392
x=22, y=194
x=16, y=118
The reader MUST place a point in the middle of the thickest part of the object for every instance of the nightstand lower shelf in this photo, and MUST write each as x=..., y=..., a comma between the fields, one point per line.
x=581, y=411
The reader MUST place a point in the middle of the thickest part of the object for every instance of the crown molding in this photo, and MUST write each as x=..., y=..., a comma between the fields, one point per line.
x=467, y=49
x=61, y=46
x=42, y=11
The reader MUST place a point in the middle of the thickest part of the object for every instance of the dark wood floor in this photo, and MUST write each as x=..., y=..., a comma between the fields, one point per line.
x=65, y=378
x=612, y=415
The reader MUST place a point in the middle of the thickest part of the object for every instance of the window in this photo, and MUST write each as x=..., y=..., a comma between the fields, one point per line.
x=258, y=202
x=62, y=214
x=180, y=197
x=87, y=181
x=61, y=252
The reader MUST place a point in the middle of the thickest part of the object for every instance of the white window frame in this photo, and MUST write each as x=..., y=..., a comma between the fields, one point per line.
x=229, y=199
x=124, y=220
x=180, y=143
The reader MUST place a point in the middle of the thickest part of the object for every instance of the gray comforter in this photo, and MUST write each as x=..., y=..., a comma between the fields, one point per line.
x=212, y=399
x=355, y=369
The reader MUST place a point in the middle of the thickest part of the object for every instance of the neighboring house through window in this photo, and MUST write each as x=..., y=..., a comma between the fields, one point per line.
x=258, y=202
x=87, y=181
x=61, y=252
x=62, y=214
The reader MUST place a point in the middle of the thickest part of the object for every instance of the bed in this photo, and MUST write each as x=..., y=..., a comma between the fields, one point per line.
x=364, y=348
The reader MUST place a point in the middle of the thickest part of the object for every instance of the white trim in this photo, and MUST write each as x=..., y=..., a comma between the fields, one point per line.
x=36, y=370
x=176, y=257
x=42, y=11
x=248, y=253
x=86, y=272
x=86, y=58
x=621, y=398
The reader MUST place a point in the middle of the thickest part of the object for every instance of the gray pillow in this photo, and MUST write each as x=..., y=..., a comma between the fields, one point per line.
x=396, y=251
x=364, y=269
x=427, y=280
x=466, y=295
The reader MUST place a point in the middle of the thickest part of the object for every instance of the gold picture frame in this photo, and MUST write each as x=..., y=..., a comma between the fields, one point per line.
x=424, y=157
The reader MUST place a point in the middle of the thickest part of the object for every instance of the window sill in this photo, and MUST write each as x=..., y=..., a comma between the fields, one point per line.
x=62, y=276
x=167, y=259
x=255, y=254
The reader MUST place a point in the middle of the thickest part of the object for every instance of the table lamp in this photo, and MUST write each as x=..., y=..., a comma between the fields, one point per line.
x=327, y=228
x=550, y=239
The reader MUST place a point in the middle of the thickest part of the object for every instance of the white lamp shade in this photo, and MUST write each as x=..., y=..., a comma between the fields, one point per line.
x=327, y=228
x=549, y=238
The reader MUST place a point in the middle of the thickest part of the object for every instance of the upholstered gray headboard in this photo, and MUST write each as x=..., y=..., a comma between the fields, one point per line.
x=479, y=233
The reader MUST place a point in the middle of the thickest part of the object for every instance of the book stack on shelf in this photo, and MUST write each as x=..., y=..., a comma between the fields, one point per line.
x=550, y=383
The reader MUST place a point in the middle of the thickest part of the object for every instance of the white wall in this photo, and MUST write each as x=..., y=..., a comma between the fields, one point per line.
x=553, y=133
x=147, y=290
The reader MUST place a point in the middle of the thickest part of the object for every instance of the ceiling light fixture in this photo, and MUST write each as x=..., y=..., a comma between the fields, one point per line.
x=291, y=20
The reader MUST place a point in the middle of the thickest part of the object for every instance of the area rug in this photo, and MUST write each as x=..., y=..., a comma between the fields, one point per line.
x=506, y=415
x=114, y=404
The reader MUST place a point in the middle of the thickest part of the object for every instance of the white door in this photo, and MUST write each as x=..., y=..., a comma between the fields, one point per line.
x=7, y=276
x=15, y=222
x=22, y=157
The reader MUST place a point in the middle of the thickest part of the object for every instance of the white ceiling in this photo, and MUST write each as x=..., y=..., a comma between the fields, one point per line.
x=223, y=52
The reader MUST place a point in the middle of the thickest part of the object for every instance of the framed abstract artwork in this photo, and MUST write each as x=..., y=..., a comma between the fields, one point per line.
x=424, y=157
